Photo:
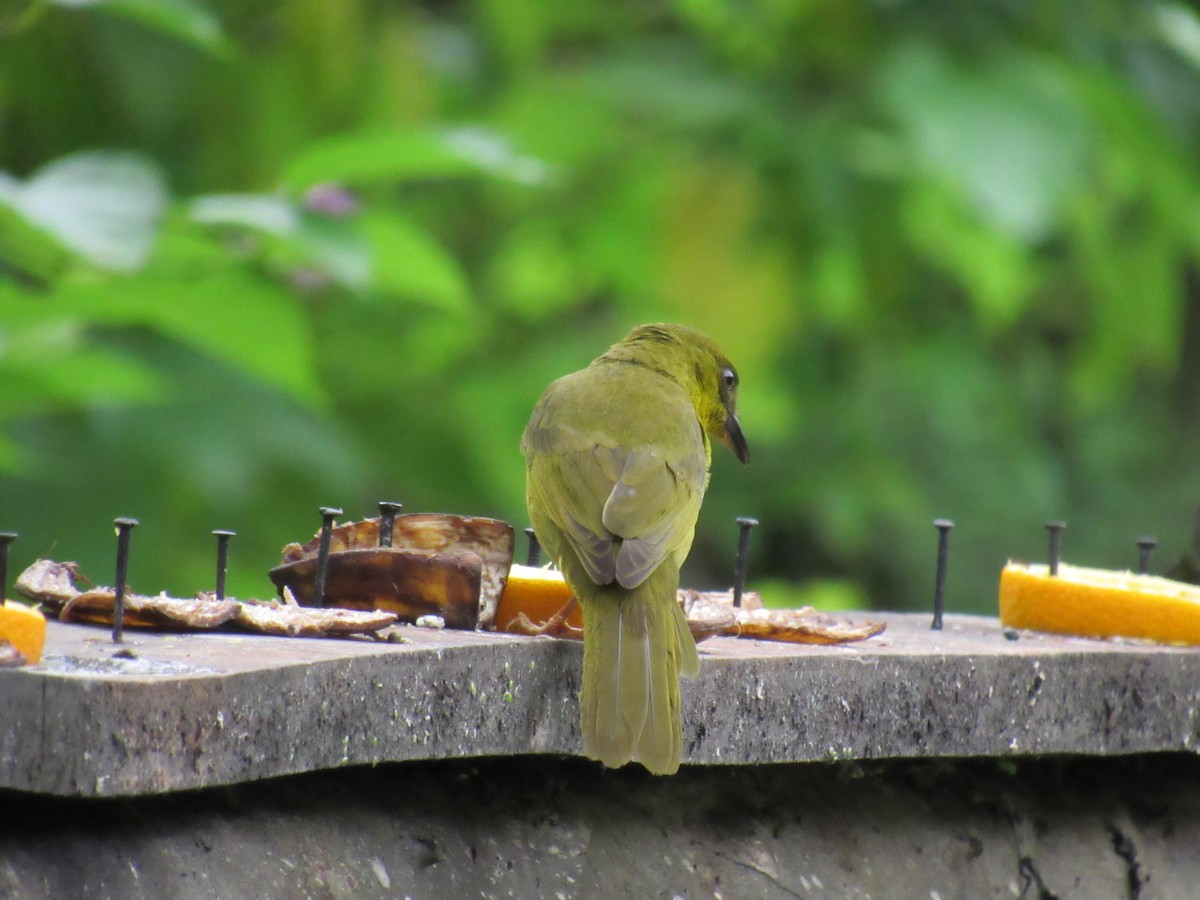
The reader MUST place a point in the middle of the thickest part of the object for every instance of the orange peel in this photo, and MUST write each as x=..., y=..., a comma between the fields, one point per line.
x=25, y=628
x=1099, y=603
x=538, y=593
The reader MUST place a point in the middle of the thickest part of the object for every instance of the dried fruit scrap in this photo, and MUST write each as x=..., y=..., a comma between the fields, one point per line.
x=751, y=620
x=50, y=583
x=409, y=583
x=710, y=614
x=53, y=584
x=804, y=626
x=490, y=539
x=162, y=612
x=273, y=617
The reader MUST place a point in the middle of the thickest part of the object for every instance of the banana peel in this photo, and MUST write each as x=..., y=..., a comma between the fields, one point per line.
x=428, y=570
x=409, y=583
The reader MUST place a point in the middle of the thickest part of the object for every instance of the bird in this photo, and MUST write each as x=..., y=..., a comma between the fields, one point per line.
x=617, y=462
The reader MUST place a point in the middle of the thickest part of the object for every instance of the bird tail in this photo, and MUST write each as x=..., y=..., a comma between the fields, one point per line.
x=636, y=645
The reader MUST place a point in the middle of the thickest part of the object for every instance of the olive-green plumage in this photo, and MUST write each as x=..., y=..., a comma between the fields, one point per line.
x=617, y=461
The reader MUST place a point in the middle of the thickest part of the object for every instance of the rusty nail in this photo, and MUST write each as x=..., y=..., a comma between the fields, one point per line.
x=222, y=559
x=124, y=527
x=328, y=514
x=1146, y=546
x=533, y=556
x=743, y=553
x=1055, y=527
x=387, y=521
x=6, y=538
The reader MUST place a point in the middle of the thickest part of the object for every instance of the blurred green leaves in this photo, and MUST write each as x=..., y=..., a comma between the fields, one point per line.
x=408, y=262
x=183, y=19
x=261, y=333
x=400, y=155
x=947, y=250
x=104, y=207
x=1009, y=137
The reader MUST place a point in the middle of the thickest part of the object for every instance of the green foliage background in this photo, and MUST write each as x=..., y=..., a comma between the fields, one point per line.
x=259, y=257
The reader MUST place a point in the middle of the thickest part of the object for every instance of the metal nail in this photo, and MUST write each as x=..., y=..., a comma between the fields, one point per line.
x=387, y=521
x=6, y=538
x=1055, y=527
x=124, y=527
x=328, y=514
x=939, y=587
x=1146, y=546
x=222, y=559
x=533, y=556
x=743, y=553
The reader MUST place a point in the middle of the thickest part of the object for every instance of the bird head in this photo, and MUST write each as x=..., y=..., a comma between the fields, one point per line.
x=691, y=359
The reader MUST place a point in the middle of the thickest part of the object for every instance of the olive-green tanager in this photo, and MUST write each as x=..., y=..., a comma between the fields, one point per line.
x=617, y=461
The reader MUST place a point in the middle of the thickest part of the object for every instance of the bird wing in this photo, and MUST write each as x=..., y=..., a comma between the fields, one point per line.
x=653, y=507
x=623, y=504
x=570, y=489
x=622, y=511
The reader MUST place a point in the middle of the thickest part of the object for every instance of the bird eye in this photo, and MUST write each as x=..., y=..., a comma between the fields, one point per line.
x=729, y=377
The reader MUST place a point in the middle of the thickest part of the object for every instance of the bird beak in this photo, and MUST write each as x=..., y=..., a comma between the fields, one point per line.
x=735, y=440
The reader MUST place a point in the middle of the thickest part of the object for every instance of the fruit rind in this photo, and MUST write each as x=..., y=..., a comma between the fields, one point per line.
x=25, y=628
x=1099, y=603
x=538, y=593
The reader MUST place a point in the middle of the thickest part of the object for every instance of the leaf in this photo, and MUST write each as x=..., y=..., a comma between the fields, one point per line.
x=332, y=244
x=47, y=364
x=262, y=212
x=83, y=378
x=105, y=207
x=407, y=261
x=397, y=155
x=25, y=247
x=533, y=273
x=1126, y=257
x=1009, y=135
x=491, y=153
x=237, y=317
x=184, y=19
x=993, y=266
x=1178, y=27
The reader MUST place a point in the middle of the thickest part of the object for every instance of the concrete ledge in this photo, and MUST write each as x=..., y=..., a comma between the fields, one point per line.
x=198, y=710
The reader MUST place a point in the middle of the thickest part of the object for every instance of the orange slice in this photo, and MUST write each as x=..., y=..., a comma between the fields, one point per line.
x=24, y=627
x=539, y=593
x=1099, y=603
